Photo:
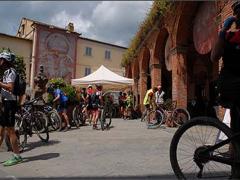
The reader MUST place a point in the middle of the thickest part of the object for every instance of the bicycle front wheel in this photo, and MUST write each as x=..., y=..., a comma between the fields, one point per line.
x=180, y=116
x=76, y=117
x=55, y=120
x=37, y=124
x=105, y=119
x=154, y=119
x=194, y=137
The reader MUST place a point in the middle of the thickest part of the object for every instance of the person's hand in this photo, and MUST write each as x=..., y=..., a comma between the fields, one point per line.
x=228, y=23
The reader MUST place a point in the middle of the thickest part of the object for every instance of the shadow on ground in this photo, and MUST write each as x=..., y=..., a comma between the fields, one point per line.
x=32, y=145
x=46, y=156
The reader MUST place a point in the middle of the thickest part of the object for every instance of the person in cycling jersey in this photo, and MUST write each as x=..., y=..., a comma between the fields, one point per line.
x=227, y=47
x=9, y=101
x=148, y=102
x=60, y=96
x=96, y=100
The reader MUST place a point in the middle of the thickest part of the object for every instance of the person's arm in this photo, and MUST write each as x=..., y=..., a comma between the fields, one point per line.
x=218, y=48
x=8, y=86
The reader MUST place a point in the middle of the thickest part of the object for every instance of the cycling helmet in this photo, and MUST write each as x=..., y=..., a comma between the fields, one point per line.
x=8, y=56
x=235, y=5
x=99, y=86
x=89, y=86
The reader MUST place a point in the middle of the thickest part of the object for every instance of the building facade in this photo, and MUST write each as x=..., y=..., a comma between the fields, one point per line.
x=176, y=52
x=62, y=51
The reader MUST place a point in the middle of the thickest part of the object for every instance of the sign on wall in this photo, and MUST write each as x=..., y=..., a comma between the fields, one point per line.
x=56, y=52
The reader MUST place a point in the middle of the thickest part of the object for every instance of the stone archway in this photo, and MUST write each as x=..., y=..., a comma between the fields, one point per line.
x=145, y=76
x=161, y=52
x=192, y=67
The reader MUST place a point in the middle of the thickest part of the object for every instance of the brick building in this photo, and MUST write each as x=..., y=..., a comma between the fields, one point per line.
x=176, y=52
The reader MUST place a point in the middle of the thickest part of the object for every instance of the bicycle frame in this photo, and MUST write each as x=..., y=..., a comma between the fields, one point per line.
x=223, y=160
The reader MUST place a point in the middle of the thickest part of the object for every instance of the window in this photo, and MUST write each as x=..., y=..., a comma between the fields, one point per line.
x=107, y=54
x=87, y=71
x=88, y=51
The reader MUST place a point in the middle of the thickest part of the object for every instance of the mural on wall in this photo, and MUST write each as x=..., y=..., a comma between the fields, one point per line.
x=205, y=28
x=56, y=52
x=168, y=60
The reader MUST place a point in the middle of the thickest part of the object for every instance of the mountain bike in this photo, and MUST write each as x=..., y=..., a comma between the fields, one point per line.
x=171, y=116
x=79, y=117
x=106, y=116
x=203, y=148
x=29, y=122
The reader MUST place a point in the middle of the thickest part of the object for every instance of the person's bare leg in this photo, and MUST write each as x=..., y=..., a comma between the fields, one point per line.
x=13, y=140
x=1, y=134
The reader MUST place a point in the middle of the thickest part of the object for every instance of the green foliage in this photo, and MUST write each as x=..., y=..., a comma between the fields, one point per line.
x=68, y=89
x=19, y=65
x=158, y=9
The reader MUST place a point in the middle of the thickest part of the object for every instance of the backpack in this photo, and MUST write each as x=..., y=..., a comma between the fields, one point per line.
x=19, y=85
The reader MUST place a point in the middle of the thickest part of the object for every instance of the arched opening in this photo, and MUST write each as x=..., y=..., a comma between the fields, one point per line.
x=136, y=76
x=200, y=71
x=162, y=48
x=146, y=67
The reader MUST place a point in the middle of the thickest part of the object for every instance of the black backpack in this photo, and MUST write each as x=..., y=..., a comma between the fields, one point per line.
x=19, y=85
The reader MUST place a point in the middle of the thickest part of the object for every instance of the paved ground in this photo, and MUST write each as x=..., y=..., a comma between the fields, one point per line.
x=127, y=151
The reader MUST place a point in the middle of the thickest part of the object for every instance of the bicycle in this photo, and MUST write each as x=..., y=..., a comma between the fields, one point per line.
x=202, y=147
x=54, y=120
x=30, y=121
x=106, y=116
x=168, y=114
x=78, y=116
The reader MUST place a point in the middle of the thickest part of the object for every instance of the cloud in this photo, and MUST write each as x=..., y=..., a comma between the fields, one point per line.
x=63, y=18
x=109, y=21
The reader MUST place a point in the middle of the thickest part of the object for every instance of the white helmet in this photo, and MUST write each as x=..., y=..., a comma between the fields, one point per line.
x=9, y=57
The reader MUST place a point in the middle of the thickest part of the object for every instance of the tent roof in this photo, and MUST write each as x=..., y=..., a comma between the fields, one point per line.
x=103, y=76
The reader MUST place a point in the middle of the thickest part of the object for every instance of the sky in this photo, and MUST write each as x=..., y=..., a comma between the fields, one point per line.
x=114, y=22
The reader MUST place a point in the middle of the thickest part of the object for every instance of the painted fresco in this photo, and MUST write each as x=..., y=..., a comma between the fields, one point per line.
x=205, y=28
x=56, y=52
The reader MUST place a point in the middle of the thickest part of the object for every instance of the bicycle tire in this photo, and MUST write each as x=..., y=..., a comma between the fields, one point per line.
x=37, y=121
x=76, y=117
x=105, y=119
x=21, y=132
x=180, y=116
x=55, y=120
x=157, y=116
x=177, y=143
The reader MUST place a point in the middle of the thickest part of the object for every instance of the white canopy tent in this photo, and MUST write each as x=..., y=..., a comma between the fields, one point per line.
x=104, y=77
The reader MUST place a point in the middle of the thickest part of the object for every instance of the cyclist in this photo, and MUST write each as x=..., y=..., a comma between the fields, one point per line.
x=9, y=100
x=90, y=91
x=96, y=100
x=148, y=102
x=228, y=47
x=159, y=96
x=60, y=96
x=129, y=105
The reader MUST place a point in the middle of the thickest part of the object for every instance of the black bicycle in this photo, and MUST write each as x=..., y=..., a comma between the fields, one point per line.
x=30, y=121
x=203, y=148
x=106, y=116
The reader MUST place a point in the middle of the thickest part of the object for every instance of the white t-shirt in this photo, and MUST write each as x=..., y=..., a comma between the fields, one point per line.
x=159, y=97
x=9, y=76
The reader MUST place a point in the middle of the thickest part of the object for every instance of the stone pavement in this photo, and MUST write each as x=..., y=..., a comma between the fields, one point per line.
x=127, y=151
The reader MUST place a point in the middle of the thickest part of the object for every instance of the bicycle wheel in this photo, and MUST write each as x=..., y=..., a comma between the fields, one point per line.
x=55, y=120
x=105, y=119
x=155, y=118
x=37, y=123
x=21, y=132
x=190, y=139
x=180, y=116
x=76, y=117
